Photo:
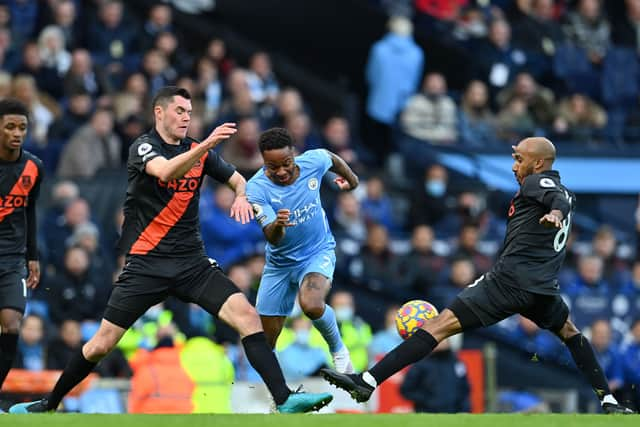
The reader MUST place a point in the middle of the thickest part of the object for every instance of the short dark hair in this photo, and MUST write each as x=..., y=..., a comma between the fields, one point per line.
x=13, y=106
x=165, y=95
x=274, y=139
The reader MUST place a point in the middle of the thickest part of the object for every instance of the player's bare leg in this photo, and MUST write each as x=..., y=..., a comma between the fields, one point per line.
x=586, y=361
x=243, y=317
x=80, y=365
x=272, y=328
x=414, y=348
x=312, y=296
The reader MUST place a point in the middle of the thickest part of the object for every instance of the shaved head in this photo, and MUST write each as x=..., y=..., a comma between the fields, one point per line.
x=533, y=155
x=538, y=147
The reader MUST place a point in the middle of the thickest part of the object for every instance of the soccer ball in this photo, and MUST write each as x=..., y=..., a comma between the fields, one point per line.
x=412, y=316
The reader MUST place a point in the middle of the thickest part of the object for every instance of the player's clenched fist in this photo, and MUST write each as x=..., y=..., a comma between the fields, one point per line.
x=282, y=218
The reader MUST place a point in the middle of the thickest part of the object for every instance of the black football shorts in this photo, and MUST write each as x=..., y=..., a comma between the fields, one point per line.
x=486, y=301
x=146, y=281
x=13, y=284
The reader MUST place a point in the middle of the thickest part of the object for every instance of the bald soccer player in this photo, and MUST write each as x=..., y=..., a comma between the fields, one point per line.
x=524, y=280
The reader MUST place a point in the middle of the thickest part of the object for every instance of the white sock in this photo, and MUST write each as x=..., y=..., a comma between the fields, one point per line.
x=609, y=399
x=368, y=378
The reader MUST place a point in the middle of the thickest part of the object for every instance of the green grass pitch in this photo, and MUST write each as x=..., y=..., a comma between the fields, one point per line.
x=324, y=420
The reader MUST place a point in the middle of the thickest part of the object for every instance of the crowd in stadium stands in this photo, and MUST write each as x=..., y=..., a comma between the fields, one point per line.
x=87, y=72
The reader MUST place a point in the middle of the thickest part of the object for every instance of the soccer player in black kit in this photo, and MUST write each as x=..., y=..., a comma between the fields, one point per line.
x=20, y=177
x=165, y=254
x=523, y=280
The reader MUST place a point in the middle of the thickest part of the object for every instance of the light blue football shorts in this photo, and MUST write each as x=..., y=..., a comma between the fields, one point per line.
x=279, y=285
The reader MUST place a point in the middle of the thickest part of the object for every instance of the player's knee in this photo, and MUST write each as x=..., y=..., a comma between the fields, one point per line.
x=313, y=308
x=246, y=320
x=12, y=325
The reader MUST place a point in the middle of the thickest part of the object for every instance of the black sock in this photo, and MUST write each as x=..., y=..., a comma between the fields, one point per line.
x=8, y=345
x=414, y=348
x=264, y=361
x=76, y=370
x=585, y=359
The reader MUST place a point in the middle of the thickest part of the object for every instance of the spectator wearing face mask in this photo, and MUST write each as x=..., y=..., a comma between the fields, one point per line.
x=356, y=333
x=430, y=203
x=301, y=358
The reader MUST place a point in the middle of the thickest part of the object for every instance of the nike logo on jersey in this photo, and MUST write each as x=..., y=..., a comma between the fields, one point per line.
x=276, y=200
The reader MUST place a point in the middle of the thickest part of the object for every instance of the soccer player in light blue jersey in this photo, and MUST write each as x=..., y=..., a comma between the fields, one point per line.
x=300, y=256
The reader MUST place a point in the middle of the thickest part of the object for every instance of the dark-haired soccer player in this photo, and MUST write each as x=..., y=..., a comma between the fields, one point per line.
x=20, y=177
x=165, y=253
x=285, y=196
x=523, y=280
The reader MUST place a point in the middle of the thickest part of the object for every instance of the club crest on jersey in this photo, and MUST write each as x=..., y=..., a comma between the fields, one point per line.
x=26, y=181
x=313, y=183
x=144, y=148
x=547, y=183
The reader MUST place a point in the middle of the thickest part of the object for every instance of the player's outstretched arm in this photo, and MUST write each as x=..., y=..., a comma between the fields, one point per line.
x=241, y=209
x=347, y=179
x=176, y=167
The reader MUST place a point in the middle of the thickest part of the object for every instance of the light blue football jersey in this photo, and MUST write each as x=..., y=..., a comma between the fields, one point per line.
x=310, y=233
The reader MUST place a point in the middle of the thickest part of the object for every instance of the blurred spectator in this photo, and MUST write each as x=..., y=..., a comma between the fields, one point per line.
x=42, y=110
x=497, y=60
x=393, y=70
x=217, y=52
x=540, y=344
x=626, y=305
x=538, y=31
x=476, y=121
x=112, y=40
x=32, y=350
x=157, y=70
x=74, y=292
x=418, y=269
x=431, y=115
x=53, y=51
x=178, y=59
x=65, y=16
x=579, y=119
x=462, y=273
x=301, y=129
x=355, y=332
x=46, y=76
x=430, y=201
x=438, y=383
x=374, y=269
x=84, y=77
x=348, y=220
x=607, y=353
x=471, y=208
x=62, y=348
x=538, y=100
x=467, y=246
x=57, y=228
x=9, y=55
x=76, y=114
x=514, y=121
x=589, y=29
x=589, y=294
x=377, y=205
x=24, y=19
x=289, y=103
x=261, y=79
x=93, y=147
x=225, y=239
x=87, y=236
x=242, y=150
x=300, y=359
x=338, y=138
x=624, y=29
x=385, y=339
x=158, y=21
x=605, y=245
x=209, y=85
